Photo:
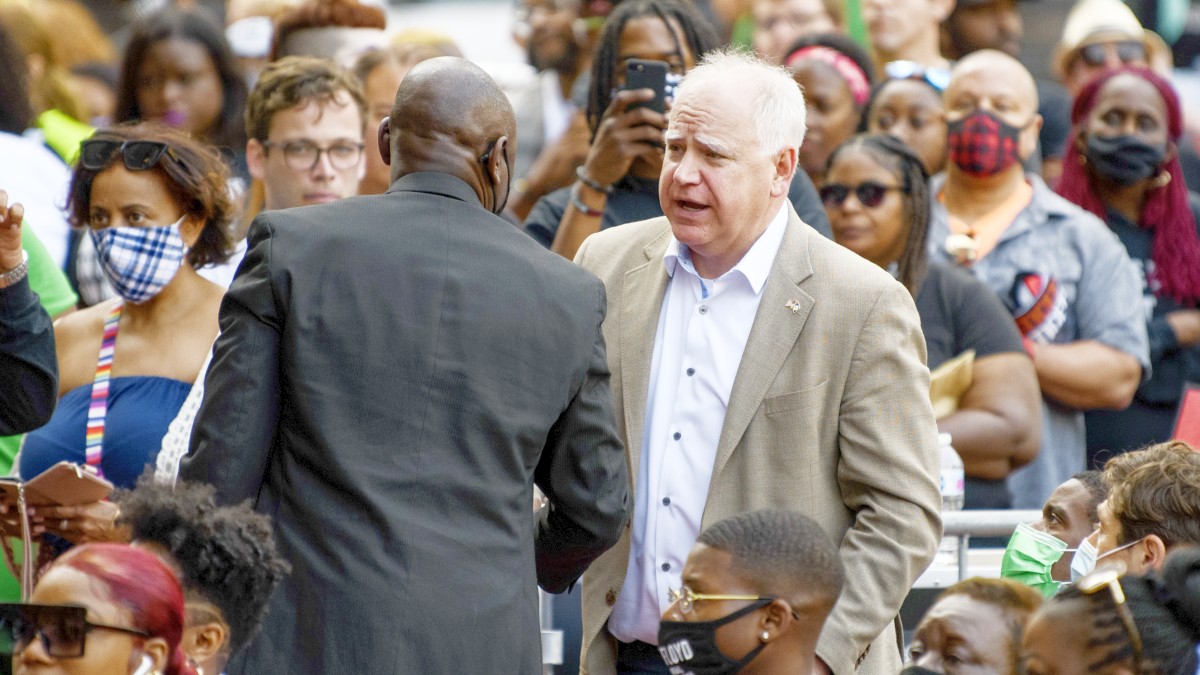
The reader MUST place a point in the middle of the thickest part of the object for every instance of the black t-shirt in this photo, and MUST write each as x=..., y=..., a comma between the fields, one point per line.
x=634, y=199
x=958, y=312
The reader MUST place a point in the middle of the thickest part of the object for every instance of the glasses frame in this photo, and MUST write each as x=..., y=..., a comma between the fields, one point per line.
x=686, y=599
x=137, y=155
x=34, y=616
x=841, y=191
x=321, y=150
x=1110, y=578
x=1127, y=51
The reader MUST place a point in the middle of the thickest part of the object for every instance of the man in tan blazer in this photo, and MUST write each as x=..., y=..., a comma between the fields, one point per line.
x=757, y=365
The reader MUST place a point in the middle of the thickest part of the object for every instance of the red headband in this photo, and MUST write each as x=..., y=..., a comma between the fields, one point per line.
x=851, y=72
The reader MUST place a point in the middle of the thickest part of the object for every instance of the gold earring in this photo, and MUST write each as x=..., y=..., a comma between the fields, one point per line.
x=1162, y=180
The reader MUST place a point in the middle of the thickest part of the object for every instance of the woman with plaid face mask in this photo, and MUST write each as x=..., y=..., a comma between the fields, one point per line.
x=156, y=205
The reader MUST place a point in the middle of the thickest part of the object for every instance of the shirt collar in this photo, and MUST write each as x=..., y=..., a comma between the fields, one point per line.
x=754, y=267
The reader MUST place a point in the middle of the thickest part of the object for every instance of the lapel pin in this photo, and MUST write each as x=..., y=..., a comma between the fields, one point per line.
x=794, y=306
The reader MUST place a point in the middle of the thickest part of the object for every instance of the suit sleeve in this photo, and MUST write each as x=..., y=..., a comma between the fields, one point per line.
x=28, y=364
x=583, y=473
x=237, y=422
x=887, y=474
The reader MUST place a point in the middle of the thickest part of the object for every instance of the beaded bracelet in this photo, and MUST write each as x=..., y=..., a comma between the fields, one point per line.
x=581, y=207
x=586, y=180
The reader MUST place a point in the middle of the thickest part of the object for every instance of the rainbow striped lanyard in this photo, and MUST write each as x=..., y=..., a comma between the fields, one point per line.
x=98, y=410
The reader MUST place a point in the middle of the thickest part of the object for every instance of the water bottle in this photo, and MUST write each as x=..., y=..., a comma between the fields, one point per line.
x=952, y=485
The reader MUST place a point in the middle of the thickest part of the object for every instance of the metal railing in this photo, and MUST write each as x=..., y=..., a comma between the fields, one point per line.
x=967, y=524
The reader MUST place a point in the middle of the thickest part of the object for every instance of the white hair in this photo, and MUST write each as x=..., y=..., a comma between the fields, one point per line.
x=779, y=113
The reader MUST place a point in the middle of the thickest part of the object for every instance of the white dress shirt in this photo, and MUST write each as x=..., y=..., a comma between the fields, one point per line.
x=702, y=331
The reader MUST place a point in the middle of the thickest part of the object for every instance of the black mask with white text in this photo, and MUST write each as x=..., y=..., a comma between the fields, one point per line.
x=690, y=647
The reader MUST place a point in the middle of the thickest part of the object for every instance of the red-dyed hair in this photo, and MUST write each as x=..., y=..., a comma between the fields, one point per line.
x=141, y=583
x=1166, y=211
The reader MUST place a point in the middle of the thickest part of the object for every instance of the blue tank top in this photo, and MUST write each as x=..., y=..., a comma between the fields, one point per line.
x=140, y=408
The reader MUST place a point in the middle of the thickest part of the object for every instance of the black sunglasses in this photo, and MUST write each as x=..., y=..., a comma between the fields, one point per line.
x=95, y=154
x=62, y=629
x=1127, y=51
x=870, y=194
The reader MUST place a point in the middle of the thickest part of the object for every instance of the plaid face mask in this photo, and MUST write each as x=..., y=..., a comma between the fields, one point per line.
x=982, y=144
x=140, y=261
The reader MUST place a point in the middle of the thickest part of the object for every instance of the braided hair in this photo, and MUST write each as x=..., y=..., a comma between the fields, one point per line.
x=698, y=35
x=1166, y=613
x=1166, y=211
x=894, y=155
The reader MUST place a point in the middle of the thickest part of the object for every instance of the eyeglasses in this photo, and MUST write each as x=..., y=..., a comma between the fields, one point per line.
x=938, y=78
x=686, y=600
x=1111, y=579
x=1128, y=52
x=95, y=154
x=870, y=194
x=62, y=629
x=304, y=155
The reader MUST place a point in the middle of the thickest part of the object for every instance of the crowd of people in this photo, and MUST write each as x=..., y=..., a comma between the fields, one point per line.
x=323, y=309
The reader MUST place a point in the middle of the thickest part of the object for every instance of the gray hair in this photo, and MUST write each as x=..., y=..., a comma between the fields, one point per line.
x=779, y=113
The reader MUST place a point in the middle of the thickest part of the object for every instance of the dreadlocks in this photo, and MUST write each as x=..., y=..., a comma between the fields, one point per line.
x=894, y=155
x=698, y=35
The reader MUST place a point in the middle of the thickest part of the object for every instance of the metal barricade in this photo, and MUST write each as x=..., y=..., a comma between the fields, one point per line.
x=552, y=639
x=966, y=524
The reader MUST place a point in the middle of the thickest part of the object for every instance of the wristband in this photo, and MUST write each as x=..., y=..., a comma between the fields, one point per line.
x=586, y=180
x=581, y=207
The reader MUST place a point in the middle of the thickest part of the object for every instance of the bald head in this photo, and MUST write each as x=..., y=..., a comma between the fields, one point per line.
x=1001, y=71
x=447, y=114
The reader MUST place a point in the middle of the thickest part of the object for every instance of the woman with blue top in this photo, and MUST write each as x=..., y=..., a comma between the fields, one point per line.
x=156, y=205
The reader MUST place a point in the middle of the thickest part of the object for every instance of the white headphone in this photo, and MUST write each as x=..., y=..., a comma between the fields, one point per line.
x=146, y=666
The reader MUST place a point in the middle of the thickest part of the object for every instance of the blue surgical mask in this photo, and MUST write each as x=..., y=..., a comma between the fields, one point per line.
x=1084, y=561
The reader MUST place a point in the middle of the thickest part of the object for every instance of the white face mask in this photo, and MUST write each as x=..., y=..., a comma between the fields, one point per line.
x=1084, y=561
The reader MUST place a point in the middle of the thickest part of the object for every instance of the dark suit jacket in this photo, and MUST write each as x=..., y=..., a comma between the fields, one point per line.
x=394, y=373
x=28, y=364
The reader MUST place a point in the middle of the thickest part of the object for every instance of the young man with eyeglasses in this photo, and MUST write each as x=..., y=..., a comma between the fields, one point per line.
x=306, y=120
x=756, y=590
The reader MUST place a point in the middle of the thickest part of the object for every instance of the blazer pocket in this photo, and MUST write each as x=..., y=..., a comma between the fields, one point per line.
x=795, y=400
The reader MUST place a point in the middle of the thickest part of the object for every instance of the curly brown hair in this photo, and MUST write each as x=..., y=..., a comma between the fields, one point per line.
x=197, y=178
x=1156, y=491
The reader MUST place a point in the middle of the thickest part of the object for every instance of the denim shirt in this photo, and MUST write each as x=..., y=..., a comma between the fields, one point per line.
x=1095, y=294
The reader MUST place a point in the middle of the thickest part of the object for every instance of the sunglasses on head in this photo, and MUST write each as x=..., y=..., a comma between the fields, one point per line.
x=1128, y=52
x=870, y=194
x=95, y=154
x=938, y=78
x=62, y=629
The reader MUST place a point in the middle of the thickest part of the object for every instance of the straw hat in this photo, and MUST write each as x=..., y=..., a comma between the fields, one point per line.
x=1093, y=21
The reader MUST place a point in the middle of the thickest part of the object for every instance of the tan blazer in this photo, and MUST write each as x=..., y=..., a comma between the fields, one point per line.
x=829, y=416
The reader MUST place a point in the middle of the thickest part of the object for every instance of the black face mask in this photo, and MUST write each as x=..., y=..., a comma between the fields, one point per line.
x=918, y=670
x=690, y=647
x=1124, y=159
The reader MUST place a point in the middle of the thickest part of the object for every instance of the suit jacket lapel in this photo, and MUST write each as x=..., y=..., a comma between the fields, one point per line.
x=641, y=302
x=781, y=315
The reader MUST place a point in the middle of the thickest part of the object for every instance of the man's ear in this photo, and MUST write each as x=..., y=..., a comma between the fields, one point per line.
x=785, y=168
x=256, y=157
x=1155, y=552
x=204, y=641
x=384, y=140
x=500, y=155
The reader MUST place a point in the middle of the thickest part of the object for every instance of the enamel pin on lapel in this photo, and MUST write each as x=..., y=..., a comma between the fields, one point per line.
x=794, y=306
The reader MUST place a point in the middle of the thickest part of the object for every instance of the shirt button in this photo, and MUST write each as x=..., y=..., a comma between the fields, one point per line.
x=677, y=435
x=704, y=309
x=666, y=501
x=691, y=372
x=666, y=567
